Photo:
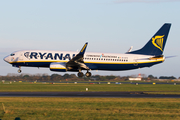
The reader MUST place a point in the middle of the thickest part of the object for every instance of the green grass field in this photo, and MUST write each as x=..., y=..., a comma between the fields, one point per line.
x=27, y=87
x=33, y=108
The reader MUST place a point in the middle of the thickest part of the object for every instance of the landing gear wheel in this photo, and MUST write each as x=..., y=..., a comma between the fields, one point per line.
x=88, y=74
x=80, y=74
x=19, y=71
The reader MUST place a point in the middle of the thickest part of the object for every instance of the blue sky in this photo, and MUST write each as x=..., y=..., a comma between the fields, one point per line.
x=108, y=25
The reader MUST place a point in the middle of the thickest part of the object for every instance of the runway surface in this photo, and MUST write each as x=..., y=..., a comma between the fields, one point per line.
x=87, y=94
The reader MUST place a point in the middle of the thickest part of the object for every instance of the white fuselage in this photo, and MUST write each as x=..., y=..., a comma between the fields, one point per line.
x=95, y=61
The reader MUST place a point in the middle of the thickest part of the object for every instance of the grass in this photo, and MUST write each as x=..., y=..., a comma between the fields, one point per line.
x=50, y=108
x=27, y=87
x=27, y=108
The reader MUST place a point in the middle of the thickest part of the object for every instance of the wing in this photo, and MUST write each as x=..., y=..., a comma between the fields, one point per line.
x=77, y=62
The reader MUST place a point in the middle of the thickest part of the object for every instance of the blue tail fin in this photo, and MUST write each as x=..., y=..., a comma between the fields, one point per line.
x=156, y=44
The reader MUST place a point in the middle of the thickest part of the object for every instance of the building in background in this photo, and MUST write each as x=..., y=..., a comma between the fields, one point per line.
x=139, y=78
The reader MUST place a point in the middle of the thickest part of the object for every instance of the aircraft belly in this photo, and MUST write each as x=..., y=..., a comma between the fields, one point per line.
x=94, y=66
x=119, y=67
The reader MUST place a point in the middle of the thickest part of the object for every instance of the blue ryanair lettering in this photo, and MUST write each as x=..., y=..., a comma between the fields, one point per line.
x=49, y=56
x=26, y=54
x=59, y=56
x=67, y=56
x=55, y=56
x=41, y=55
x=33, y=54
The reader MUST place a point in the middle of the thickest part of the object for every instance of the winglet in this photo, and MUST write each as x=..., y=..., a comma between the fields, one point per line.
x=83, y=49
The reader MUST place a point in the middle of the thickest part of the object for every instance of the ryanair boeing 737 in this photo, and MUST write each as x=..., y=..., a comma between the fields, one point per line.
x=63, y=61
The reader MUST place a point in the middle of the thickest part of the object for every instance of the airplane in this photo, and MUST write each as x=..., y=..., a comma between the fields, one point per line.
x=63, y=61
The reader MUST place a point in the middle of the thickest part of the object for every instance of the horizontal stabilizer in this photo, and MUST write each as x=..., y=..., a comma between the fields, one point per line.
x=170, y=56
x=152, y=58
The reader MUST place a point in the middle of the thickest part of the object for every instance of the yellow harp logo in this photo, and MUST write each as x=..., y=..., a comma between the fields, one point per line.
x=157, y=41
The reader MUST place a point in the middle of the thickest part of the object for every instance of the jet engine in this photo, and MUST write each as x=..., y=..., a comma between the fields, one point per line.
x=60, y=67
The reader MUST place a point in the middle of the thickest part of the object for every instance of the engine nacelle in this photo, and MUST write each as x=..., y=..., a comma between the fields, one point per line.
x=60, y=67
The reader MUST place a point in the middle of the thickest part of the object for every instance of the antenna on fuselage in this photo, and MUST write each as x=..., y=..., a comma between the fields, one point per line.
x=130, y=49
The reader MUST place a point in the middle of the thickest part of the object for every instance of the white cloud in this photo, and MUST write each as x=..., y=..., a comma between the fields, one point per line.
x=144, y=1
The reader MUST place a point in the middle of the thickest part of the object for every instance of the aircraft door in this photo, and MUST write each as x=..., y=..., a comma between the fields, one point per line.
x=26, y=55
x=21, y=56
x=135, y=61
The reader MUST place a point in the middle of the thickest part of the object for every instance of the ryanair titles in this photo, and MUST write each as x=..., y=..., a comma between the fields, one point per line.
x=52, y=56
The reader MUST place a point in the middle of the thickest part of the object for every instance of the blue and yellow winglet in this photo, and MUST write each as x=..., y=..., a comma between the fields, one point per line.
x=79, y=56
x=83, y=49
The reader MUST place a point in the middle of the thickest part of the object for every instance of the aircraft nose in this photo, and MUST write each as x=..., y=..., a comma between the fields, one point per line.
x=6, y=59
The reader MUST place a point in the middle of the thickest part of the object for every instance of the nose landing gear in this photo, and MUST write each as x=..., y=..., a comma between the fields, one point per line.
x=19, y=70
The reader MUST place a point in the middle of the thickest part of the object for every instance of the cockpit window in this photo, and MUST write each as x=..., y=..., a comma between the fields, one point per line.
x=12, y=54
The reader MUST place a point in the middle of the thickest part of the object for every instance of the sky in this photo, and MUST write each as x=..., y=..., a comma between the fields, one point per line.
x=109, y=26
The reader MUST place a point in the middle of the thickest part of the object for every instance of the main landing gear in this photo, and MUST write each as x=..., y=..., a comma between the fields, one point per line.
x=88, y=74
x=80, y=74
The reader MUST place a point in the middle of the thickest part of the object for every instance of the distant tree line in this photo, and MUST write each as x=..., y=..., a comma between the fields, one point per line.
x=167, y=77
x=58, y=77
x=73, y=77
x=162, y=77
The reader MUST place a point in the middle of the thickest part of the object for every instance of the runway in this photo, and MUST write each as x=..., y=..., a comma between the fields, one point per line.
x=87, y=94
